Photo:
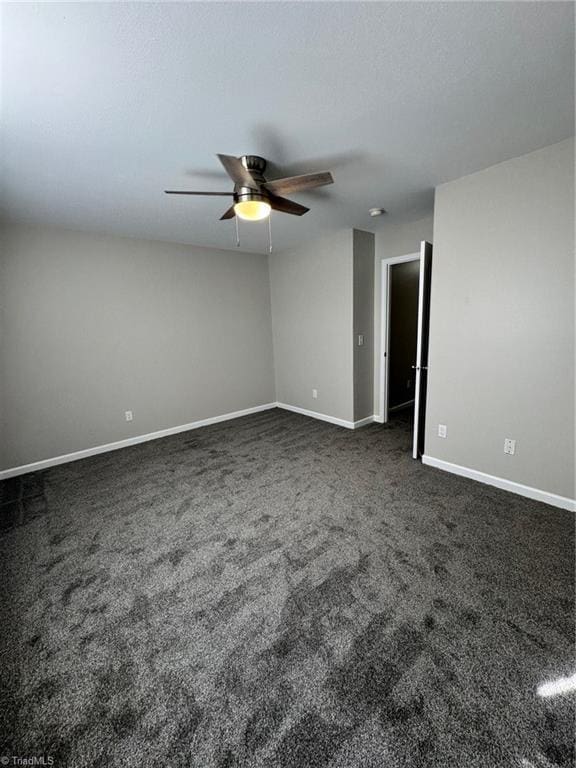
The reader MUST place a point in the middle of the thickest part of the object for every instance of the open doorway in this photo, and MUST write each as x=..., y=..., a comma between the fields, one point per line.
x=402, y=337
x=405, y=310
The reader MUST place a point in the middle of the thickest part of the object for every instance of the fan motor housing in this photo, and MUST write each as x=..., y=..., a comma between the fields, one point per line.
x=256, y=165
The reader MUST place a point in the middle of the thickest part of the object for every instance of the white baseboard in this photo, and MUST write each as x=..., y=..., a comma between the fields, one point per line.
x=506, y=485
x=316, y=415
x=363, y=422
x=325, y=417
x=45, y=463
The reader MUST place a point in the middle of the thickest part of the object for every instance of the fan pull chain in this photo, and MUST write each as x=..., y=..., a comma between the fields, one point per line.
x=237, y=232
x=270, y=233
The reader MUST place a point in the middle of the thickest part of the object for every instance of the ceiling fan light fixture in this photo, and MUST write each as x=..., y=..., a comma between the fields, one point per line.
x=252, y=210
x=254, y=196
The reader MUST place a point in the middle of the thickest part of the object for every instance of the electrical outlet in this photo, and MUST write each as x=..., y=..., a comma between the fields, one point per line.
x=315, y=394
x=360, y=339
x=128, y=415
x=442, y=430
x=509, y=446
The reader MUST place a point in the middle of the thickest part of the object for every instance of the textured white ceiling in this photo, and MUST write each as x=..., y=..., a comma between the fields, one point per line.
x=105, y=105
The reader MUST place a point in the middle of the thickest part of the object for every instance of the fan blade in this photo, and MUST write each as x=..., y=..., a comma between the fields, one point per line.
x=237, y=172
x=230, y=213
x=299, y=183
x=287, y=206
x=212, y=194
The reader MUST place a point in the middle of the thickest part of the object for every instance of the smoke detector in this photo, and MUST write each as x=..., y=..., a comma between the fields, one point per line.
x=376, y=211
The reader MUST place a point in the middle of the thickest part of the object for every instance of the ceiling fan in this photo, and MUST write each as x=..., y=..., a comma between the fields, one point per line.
x=254, y=196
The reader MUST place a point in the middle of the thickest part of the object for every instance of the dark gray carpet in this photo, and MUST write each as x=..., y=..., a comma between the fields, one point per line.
x=277, y=592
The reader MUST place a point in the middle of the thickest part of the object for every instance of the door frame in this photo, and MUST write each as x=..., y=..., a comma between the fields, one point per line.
x=384, y=346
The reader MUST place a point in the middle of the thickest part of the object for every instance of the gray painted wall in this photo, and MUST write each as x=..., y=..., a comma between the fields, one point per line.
x=502, y=320
x=92, y=326
x=393, y=240
x=363, y=255
x=312, y=297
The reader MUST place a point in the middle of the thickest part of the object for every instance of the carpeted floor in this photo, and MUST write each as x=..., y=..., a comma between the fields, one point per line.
x=277, y=592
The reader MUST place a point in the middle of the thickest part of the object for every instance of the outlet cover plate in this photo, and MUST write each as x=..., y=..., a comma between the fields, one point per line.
x=509, y=446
